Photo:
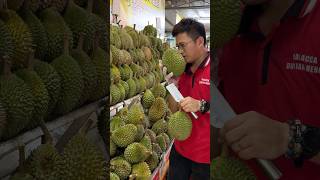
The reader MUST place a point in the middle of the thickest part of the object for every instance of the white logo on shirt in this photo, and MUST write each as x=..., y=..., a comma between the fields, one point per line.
x=204, y=81
x=303, y=62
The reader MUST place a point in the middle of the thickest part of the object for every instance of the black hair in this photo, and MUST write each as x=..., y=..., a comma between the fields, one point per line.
x=192, y=27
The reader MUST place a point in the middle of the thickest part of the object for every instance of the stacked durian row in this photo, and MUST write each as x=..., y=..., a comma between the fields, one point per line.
x=141, y=133
x=135, y=61
x=53, y=60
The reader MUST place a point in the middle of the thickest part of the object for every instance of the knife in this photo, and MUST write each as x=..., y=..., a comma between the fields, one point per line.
x=221, y=112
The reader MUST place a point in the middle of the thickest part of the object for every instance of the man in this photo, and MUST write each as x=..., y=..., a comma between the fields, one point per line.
x=270, y=75
x=190, y=159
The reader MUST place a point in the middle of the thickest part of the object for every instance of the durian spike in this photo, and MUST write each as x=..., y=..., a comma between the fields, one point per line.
x=132, y=177
x=80, y=41
x=47, y=138
x=30, y=62
x=66, y=44
x=6, y=64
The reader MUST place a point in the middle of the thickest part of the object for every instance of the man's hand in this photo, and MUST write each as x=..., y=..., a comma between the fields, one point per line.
x=253, y=135
x=169, y=77
x=189, y=104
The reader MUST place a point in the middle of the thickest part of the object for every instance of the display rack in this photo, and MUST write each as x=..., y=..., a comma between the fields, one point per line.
x=9, y=154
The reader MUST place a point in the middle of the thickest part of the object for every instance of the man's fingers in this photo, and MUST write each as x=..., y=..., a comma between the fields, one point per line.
x=235, y=134
x=233, y=123
x=247, y=153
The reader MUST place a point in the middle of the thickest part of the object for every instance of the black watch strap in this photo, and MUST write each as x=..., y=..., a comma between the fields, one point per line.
x=204, y=106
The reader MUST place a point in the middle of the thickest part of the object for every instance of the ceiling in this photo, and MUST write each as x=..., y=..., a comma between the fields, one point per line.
x=197, y=9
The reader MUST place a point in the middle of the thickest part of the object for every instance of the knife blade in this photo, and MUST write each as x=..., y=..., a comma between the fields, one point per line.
x=221, y=112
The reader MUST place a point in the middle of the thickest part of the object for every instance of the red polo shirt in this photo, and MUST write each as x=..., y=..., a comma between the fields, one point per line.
x=197, y=86
x=279, y=77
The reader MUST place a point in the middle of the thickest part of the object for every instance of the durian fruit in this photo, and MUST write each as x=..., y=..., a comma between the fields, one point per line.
x=127, y=57
x=141, y=171
x=114, y=176
x=148, y=99
x=122, y=91
x=149, y=30
x=126, y=88
x=56, y=29
x=136, y=152
x=88, y=70
x=21, y=36
x=113, y=148
x=15, y=4
x=51, y=80
x=100, y=60
x=117, y=55
x=3, y=119
x=120, y=166
x=174, y=61
x=137, y=83
x=44, y=162
x=71, y=81
x=101, y=27
x=127, y=72
x=125, y=135
x=115, y=123
x=147, y=53
x=114, y=37
x=39, y=92
x=153, y=161
x=159, y=91
x=33, y=5
x=180, y=126
x=146, y=141
x=126, y=40
x=17, y=99
x=132, y=87
x=134, y=35
x=152, y=135
x=78, y=19
x=39, y=35
x=82, y=160
x=135, y=114
x=162, y=142
x=158, y=109
x=166, y=138
x=157, y=149
x=144, y=40
x=143, y=84
x=114, y=94
x=6, y=41
x=226, y=15
x=140, y=132
x=160, y=126
x=115, y=74
x=228, y=168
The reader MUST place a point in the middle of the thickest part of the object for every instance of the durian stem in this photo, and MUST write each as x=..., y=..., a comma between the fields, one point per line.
x=80, y=41
x=46, y=133
x=31, y=59
x=6, y=71
x=66, y=44
x=134, y=26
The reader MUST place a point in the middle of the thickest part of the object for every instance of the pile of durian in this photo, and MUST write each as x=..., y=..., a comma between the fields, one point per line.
x=135, y=61
x=79, y=160
x=53, y=60
x=141, y=133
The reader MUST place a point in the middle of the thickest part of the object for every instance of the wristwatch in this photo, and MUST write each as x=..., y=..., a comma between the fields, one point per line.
x=204, y=106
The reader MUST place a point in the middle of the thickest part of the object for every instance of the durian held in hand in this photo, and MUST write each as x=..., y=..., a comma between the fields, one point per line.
x=174, y=62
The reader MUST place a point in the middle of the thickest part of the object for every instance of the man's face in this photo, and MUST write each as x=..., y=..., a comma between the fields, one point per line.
x=189, y=48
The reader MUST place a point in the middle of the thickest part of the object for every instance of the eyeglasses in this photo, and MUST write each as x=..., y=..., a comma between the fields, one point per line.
x=182, y=46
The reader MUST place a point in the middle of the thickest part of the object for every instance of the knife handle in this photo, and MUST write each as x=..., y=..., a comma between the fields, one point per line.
x=194, y=115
